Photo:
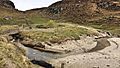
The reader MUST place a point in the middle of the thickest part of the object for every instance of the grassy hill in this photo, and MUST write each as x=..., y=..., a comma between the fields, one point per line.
x=93, y=13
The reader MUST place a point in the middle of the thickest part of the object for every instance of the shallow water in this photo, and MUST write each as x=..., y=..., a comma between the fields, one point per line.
x=34, y=54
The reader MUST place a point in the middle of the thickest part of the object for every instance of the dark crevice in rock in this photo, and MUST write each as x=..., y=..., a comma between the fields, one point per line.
x=42, y=63
x=16, y=36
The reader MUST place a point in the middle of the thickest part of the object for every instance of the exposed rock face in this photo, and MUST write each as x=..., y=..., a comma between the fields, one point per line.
x=7, y=4
x=70, y=10
x=81, y=10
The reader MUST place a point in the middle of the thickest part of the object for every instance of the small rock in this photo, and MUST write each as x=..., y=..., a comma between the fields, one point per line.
x=108, y=65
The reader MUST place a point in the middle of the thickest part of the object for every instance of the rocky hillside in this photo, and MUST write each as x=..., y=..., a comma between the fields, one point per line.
x=8, y=10
x=80, y=10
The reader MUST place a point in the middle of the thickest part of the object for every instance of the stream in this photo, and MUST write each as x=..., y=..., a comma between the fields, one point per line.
x=40, y=57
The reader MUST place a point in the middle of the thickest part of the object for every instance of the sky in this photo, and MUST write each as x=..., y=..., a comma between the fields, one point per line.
x=30, y=4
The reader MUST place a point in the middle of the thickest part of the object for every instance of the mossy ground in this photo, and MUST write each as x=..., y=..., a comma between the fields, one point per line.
x=57, y=35
x=55, y=32
x=106, y=26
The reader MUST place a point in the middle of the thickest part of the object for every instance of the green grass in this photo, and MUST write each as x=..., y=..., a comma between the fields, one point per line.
x=38, y=20
x=49, y=24
x=4, y=21
x=59, y=34
x=5, y=28
x=112, y=28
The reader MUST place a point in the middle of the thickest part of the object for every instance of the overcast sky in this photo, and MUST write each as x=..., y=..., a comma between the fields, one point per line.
x=30, y=4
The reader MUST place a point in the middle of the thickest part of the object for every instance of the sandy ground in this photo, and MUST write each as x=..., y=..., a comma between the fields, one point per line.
x=108, y=57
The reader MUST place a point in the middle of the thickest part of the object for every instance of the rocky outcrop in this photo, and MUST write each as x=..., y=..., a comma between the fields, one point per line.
x=109, y=5
x=80, y=10
x=7, y=4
